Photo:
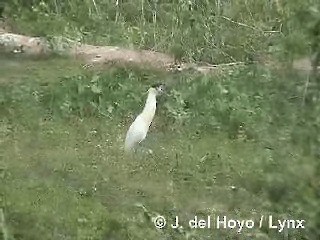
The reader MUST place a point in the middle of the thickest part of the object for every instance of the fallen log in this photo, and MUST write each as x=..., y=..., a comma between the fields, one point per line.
x=37, y=46
x=102, y=55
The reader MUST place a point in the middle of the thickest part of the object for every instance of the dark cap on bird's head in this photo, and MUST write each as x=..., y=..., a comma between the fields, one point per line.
x=160, y=87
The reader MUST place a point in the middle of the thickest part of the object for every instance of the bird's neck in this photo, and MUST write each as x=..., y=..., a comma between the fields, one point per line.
x=150, y=107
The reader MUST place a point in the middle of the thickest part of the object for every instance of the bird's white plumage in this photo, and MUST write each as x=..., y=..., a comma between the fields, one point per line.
x=136, y=133
x=139, y=128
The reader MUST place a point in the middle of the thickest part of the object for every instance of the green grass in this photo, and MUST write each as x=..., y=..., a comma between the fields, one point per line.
x=16, y=69
x=64, y=174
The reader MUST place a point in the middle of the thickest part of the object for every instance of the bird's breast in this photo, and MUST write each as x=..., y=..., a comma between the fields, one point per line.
x=148, y=116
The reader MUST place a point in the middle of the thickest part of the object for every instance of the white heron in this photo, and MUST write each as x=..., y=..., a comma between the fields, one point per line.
x=139, y=128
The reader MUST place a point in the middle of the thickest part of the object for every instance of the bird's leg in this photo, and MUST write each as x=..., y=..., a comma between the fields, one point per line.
x=143, y=149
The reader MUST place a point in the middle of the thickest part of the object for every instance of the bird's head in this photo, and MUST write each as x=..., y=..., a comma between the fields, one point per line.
x=158, y=88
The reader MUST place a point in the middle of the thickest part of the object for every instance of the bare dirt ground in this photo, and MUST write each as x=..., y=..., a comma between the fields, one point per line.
x=104, y=55
x=11, y=42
